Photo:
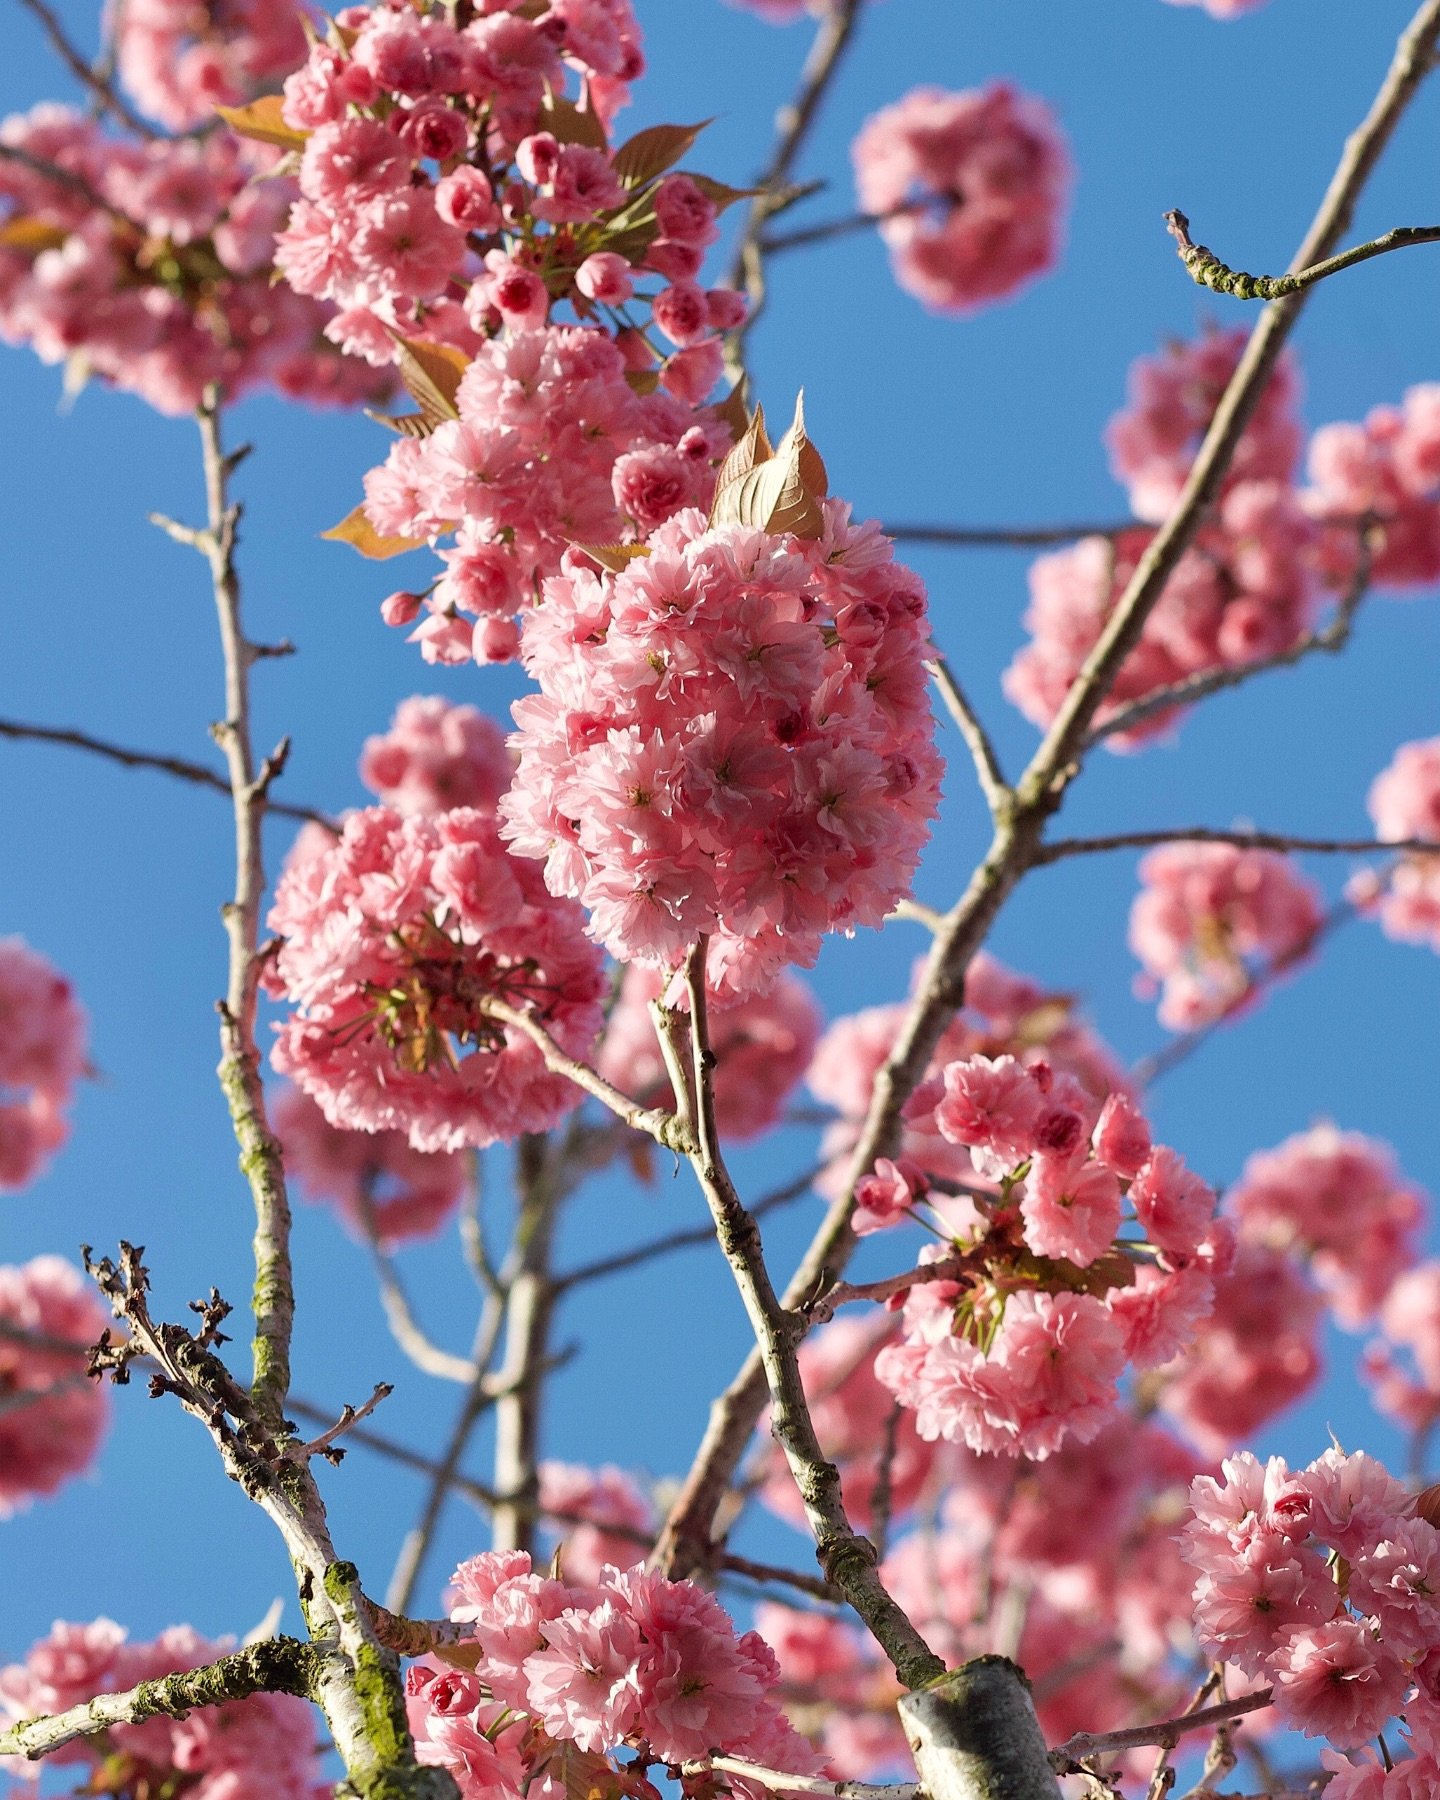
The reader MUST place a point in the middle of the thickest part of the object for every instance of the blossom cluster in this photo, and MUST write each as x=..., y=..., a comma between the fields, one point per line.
x=1209, y=919
x=42, y=1056
x=598, y=1516
x=397, y=934
x=550, y=445
x=181, y=61
x=630, y=1659
x=262, y=1747
x=762, y=1047
x=52, y=1415
x=1004, y=1014
x=1018, y=1341
x=1404, y=802
x=1244, y=589
x=732, y=738
x=435, y=756
x=1325, y=1583
x=148, y=263
x=450, y=193
x=1387, y=471
x=969, y=190
x=1410, y=1322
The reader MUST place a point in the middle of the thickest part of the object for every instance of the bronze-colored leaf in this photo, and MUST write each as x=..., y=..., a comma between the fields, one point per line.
x=569, y=124
x=750, y=449
x=355, y=529
x=733, y=410
x=808, y=459
x=614, y=557
x=643, y=381
x=458, y=1656
x=30, y=234
x=1427, y=1505
x=411, y=425
x=431, y=373
x=652, y=151
x=718, y=192
x=263, y=121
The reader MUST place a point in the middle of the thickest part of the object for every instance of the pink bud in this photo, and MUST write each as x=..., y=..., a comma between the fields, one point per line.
x=400, y=608
x=537, y=158
x=605, y=277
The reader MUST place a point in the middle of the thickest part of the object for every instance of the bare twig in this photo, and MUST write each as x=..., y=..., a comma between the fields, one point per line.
x=106, y=95
x=177, y=766
x=67, y=178
x=1167, y=1731
x=405, y=1328
x=1061, y=848
x=781, y=1783
x=988, y=772
x=1038, y=794
x=1002, y=537
x=350, y=1416
x=1207, y=270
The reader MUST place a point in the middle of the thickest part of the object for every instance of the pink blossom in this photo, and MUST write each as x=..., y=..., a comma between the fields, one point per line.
x=1387, y=470
x=1404, y=802
x=583, y=1685
x=181, y=63
x=605, y=278
x=969, y=189
x=395, y=936
x=1209, y=918
x=1337, y=1681
x=53, y=1415
x=1339, y=1200
x=1071, y=1208
x=887, y=1195
x=436, y=756
x=606, y=1519
x=42, y=1056
x=990, y=1105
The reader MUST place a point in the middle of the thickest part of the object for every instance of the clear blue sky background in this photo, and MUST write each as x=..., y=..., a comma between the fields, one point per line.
x=118, y=876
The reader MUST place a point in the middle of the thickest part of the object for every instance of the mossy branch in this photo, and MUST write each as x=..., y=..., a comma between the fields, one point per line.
x=277, y=1666
x=1207, y=270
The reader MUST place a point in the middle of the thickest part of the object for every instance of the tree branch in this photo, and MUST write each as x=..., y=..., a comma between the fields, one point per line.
x=145, y=759
x=1003, y=537
x=276, y=1665
x=781, y=1783
x=1167, y=1731
x=848, y=1560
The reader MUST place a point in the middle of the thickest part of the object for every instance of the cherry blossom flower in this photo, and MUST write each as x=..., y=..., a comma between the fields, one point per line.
x=180, y=61
x=1404, y=802
x=42, y=1056
x=1385, y=473
x=436, y=756
x=52, y=1416
x=969, y=189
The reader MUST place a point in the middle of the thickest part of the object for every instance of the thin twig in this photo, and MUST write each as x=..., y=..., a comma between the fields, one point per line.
x=105, y=93
x=1003, y=537
x=678, y=1240
x=1061, y=848
x=1207, y=270
x=781, y=1783
x=405, y=1328
x=988, y=772
x=350, y=1416
x=1167, y=1731
x=177, y=766
x=67, y=178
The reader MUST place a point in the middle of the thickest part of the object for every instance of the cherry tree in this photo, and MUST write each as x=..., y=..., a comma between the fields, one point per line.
x=1026, y=1433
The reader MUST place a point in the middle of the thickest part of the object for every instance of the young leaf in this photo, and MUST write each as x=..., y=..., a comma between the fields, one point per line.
x=431, y=373
x=643, y=381
x=356, y=529
x=718, y=192
x=734, y=412
x=263, y=121
x=652, y=151
x=410, y=425
x=807, y=458
x=613, y=557
x=26, y=233
x=750, y=450
x=565, y=121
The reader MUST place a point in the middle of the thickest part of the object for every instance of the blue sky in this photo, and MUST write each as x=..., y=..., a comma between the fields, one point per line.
x=996, y=419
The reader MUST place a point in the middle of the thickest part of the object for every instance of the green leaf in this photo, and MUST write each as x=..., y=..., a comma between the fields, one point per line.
x=355, y=529
x=652, y=151
x=568, y=124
